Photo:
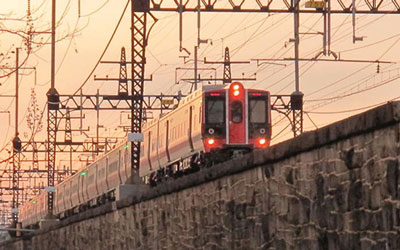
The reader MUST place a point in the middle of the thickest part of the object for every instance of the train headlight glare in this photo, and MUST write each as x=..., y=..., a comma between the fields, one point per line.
x=262, y=141
x=210, y=141
x=235, y=87
x=236, y=92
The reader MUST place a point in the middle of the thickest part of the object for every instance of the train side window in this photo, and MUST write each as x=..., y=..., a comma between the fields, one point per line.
x=236, y=112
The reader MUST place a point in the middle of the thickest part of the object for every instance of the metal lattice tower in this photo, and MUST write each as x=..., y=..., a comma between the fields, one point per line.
x=15, y=178
x=140, y=9
x=227, y=68
x=68, y=130
x=35, y=158
x=53, y=105
x=123, y=75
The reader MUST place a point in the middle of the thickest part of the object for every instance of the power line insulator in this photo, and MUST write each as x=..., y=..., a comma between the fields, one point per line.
x=296, y=101
x=17, y=144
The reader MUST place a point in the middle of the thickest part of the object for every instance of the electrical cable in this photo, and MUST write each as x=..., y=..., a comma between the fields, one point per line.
x=353, y=110
x=95, y=11
x=105, y=49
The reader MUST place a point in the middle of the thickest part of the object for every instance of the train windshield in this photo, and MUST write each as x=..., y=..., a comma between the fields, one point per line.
x=258, y=111
x=215, y=110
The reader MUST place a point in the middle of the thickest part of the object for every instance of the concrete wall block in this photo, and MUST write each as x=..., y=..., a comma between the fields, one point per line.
x=366, y=194
x=306, y=188
x=376, y=196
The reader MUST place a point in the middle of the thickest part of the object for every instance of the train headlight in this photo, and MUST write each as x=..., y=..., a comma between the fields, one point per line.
x=236, y=92
x=211, y=131
x=236, y=87
x=210, y=141
x=262, y=141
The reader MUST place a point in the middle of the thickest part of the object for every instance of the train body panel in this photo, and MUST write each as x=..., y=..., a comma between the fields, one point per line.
x=74, y=190
x=174, y=135
x=92, y=189
x=163, y=154
x=113, y=173
x=59, y=205
x=42, y=205
x=84, y=180
x=125, y=161
x=102, y=175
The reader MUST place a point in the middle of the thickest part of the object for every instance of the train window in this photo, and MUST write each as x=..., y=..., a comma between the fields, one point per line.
x=236, y=112
x=215, y=110
x=258, y=111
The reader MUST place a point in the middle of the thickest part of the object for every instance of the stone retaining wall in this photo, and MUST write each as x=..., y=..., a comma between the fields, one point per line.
x=334, y=188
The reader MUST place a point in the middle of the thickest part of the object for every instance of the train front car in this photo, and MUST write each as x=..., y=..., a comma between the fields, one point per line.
x=235, y=120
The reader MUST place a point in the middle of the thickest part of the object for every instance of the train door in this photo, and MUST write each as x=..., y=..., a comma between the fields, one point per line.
x=148, y=149
x=107, y=174
x=190, y=128
x=236, y=114
x=158, y=142
x=120, y=165
x=167, y=140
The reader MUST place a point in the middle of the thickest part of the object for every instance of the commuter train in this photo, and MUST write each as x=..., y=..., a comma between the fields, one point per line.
x=210, y=125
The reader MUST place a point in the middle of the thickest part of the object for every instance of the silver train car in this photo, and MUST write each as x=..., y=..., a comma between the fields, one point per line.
x=208, y=123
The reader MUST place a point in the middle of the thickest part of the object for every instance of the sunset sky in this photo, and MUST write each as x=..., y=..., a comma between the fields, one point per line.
x=330, y=88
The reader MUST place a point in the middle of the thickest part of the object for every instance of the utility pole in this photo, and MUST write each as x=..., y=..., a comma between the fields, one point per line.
x=16, y=150
x=53, y=100
x=296, y=98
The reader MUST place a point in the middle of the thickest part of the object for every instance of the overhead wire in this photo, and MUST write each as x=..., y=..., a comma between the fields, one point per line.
x=353, y=110
x=96, y=10
x=105, y=49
